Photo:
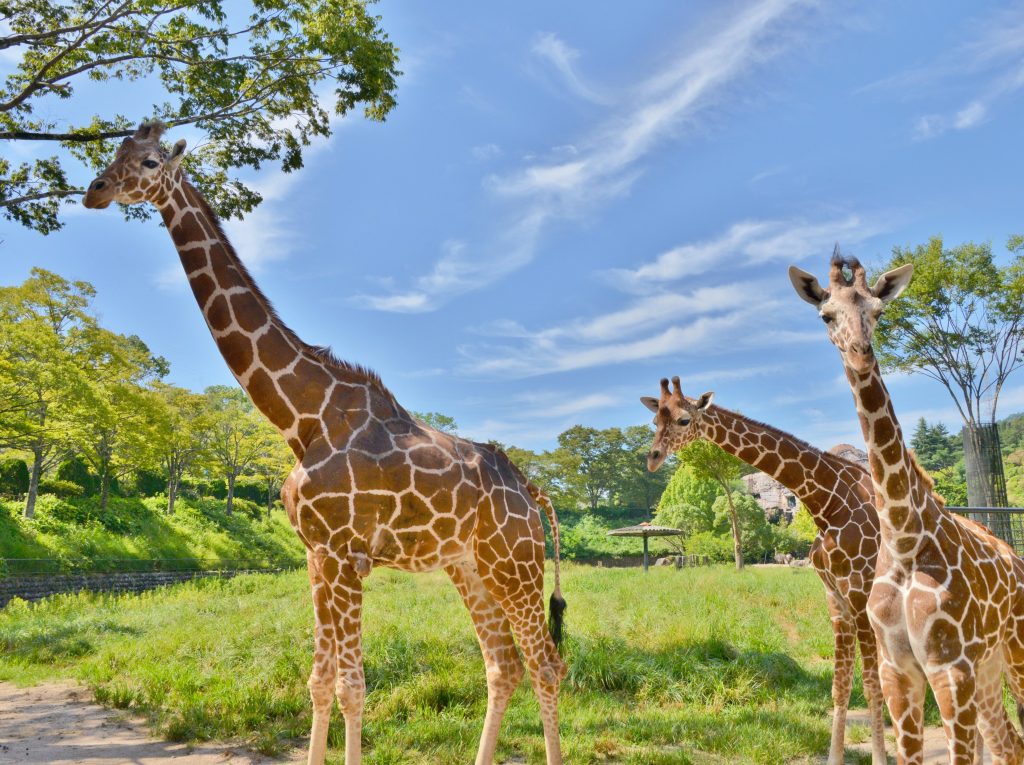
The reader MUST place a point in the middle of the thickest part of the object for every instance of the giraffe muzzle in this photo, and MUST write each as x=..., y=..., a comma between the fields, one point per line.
x=99, y=195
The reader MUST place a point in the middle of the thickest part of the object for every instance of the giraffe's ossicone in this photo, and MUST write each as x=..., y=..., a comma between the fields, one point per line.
x=372, y=486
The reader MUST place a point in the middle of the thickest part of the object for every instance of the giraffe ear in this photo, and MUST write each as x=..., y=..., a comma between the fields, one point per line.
x=892, y=283
x=650, y=402
x=705, y=401
x=807, y=286
x=177, y=152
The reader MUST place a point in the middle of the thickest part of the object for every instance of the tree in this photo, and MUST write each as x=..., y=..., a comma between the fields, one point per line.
x=708, y=461
x=961, y=322
x=274, y=464
x=239, y=436
x=935, y=448
x=46, y=334
x=114, y=424
x=179, y=433
x=250, y=76
x=635, y=485
x=437, y=421
x=687, y=501
x=590, y=457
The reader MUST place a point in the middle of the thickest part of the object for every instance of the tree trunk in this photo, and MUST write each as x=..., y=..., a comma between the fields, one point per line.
x=172, y=493
x=33, y=483
x=231, y=493
x=104, y=488
x=737, y=539
x=270, y=496
x=986, y=482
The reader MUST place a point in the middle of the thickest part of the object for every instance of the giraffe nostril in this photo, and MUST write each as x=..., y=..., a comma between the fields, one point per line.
x=98, y=184
x=655, y=453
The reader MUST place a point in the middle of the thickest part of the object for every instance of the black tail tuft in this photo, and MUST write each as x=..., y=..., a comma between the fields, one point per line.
x=557, y=608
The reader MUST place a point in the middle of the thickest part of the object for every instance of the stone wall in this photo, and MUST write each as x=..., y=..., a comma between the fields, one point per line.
x=37, y=586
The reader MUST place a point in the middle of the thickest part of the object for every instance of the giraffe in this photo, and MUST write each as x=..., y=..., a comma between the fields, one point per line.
x=947, y=604
x=372, y=486
x=838, y=495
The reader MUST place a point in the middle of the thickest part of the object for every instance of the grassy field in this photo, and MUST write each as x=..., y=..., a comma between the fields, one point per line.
x=693, y=666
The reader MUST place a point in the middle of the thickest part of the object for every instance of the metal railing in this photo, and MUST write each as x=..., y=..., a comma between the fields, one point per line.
x=1007, y=523
x=43, y=566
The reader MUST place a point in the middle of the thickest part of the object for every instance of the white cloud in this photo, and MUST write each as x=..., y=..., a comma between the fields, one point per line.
x=553, y=50
x=606, y=163
x=486, y=152
x=748, y=242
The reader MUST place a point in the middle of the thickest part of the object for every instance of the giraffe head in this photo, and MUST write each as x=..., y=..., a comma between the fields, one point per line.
x=676, y=421
x=142, y=171
x=849, y=307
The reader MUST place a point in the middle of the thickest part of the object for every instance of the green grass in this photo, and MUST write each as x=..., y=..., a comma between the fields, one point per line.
x=694, y=666
x=77, y=532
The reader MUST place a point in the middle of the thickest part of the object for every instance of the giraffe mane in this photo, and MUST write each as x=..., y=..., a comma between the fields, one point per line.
x=321, y=353
x=925, y=477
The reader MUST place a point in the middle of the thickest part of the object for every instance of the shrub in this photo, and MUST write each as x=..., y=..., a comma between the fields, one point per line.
x=149, y=484
x=715, y=546
x=60, y=488
x=14, y=477
x=76, y=471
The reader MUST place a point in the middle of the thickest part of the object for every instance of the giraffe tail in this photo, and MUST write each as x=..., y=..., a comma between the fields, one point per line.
x=557, y=603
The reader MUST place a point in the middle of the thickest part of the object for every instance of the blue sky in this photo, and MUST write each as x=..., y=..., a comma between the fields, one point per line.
x=575, y=199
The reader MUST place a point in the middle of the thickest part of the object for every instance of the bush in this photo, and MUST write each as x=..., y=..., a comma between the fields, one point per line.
x=14, y=477
x=76, y=471
x=149, y=484
x=710, y=544
x=60, y=488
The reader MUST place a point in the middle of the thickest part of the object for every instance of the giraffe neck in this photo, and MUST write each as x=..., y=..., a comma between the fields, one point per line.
x=808, y=472
x=906, y=504
x=282, y=375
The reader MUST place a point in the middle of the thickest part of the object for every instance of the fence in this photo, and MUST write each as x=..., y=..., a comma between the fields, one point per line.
x=1007, y=523
x=41, y=566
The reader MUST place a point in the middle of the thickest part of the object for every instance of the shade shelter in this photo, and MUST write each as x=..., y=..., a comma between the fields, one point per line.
x=645, y=530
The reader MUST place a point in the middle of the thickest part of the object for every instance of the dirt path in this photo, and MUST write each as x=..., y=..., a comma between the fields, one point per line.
x=934, y=741
x=60, y=724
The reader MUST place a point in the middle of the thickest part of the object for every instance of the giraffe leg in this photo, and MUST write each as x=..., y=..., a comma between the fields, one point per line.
x=993, y=723
x=522, y=600
x=873, y=692
x=347, y=591
x=325, y=665
x=843, y=633
x=955, y=688
x=904, y=693
x=501, y=659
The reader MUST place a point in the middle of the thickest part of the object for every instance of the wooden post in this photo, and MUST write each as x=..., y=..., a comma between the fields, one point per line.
x=645, y=553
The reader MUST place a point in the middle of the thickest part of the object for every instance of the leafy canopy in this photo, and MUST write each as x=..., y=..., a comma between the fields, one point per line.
x=960, y=322
x=259, y=78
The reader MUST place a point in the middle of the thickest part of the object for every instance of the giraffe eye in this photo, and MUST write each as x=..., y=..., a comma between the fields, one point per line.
x=150, y=163
x=828, y=319
x=683, y=421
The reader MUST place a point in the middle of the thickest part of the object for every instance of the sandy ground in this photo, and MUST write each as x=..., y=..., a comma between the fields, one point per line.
x=934, y=741
x=59, y=724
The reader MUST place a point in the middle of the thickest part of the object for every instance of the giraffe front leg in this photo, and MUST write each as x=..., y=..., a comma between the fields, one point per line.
x=873, y=693
x=347, y=590
x=325, y=666
x=955, y=688
x=994, y=724
x=843, y=633
x=904, y=693
x=501, y=659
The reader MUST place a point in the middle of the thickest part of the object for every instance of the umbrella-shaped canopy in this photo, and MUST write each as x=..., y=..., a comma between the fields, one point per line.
x=645, y=530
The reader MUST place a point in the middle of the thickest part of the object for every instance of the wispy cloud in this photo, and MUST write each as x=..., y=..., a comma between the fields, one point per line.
x=607, y=162
x=748, y=242
x=989, y=64
x=553, y=50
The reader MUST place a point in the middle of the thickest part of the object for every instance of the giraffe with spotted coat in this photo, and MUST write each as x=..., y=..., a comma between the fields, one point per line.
x=372, y=486
x=947, y=604
x=839, y=497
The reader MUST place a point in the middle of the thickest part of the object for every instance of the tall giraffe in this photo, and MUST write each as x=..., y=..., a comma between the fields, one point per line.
x=372, y=486
x=839, y=497
x=947, y=604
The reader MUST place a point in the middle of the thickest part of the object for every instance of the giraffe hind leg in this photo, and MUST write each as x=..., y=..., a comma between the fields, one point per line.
x=523, y=604
x=844, y=636
x=501, y=659
x=325, y=667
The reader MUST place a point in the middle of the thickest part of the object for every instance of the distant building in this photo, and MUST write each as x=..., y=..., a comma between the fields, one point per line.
x=776, y=499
